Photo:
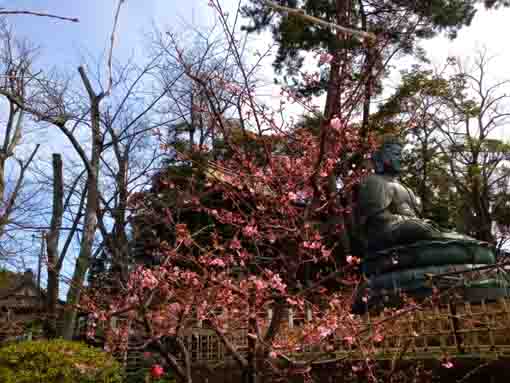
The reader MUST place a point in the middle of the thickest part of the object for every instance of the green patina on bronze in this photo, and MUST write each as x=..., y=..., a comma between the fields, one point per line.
x=404, y=252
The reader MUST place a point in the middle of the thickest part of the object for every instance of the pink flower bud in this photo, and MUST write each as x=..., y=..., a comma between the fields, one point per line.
x=352, y=260
x=325, y=58
x=157, y=371
x=336, y=124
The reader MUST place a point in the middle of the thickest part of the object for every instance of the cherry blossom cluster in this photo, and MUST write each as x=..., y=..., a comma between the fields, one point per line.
x=258, y=252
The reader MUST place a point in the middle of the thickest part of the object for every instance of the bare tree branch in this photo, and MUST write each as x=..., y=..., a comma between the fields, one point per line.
x=112, y=43
x=4, y=11
x=316, y=20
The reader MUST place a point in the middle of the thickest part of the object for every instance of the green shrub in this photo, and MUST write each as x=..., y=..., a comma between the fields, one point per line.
x=56, y=361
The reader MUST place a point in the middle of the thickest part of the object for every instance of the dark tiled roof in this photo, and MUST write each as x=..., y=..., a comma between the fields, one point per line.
x=10, y=282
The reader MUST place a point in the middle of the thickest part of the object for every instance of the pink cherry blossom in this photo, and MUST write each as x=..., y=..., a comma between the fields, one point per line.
x=356, y=368
x=325, y=253
x=325, y=58
x=217, y=262
x=292, y=196
x=378, y=338
x=278, y=284
x=244, y=256
x=235, y=244
x=352, y=260
x=337, y=125
x=324, y=331
x=149, y=281
x=250, y=231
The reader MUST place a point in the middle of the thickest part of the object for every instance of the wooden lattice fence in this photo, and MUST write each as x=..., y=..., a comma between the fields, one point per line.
x=460, y=330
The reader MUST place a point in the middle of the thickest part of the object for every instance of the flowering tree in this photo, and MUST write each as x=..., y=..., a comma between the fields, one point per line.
x=239, y=241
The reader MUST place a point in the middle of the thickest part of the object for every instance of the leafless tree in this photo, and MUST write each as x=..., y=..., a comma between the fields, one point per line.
x=16, y=59
x=186, y=101
x=130, y=154
x=476, y=152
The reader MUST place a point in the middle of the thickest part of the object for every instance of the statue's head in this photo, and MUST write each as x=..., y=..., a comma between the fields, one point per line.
x=387, y=157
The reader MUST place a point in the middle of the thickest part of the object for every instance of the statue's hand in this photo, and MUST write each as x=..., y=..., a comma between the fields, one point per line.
x=432, y=223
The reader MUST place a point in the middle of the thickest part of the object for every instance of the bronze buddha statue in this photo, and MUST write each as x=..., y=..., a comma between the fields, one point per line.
x=402, y=251
x=388, y=210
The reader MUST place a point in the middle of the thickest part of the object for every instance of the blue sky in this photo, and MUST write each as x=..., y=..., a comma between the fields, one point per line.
x=65, y=43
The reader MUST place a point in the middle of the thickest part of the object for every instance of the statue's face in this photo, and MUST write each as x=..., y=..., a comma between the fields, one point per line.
x=388, y=159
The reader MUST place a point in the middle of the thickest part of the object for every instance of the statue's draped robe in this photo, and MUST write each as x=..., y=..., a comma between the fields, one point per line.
x=388, y=216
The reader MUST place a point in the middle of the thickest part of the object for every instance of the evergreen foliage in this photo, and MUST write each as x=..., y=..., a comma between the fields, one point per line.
x=56, y=361
x=403, y=22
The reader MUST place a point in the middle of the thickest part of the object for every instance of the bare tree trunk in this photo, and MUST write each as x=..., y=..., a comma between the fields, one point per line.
x=2, y=179
x=116, y=241
x=90, y=223
x=12, y=138
x=9, y=205
x=5, y=148
x=121, y=242
x=333, y=107
x=369, y=85
x=251, y=375
x=52, y=247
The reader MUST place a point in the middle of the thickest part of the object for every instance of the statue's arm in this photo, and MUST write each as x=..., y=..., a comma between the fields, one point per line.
x=415, y=201
x=374, y=198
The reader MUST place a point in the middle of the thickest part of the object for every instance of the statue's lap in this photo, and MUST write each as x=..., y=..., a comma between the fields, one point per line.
x=415, y=269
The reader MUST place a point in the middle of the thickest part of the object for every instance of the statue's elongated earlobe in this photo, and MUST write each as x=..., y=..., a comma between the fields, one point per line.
x=378, y=163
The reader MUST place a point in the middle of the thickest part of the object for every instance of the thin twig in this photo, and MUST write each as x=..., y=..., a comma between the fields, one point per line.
x=474, y=269
x=316, y=20
x=112, y=43
x=474, y=371
x=3, y=11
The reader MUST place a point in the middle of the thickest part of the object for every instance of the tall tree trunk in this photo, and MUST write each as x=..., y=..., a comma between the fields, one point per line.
x=369, y=83
x=424, y=190
x=12, y=138
x=4, y=155
x=2, y=182
x=9, y=204
x=339, y=67
x=52, y=248
x=90, y=223
x=4, y=217
x=251, y=374
x=483, y=227
x=119, y=244
x=116, y=241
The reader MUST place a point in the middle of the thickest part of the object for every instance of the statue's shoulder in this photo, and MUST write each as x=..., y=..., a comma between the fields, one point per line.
x=373, y=194
x=373, y=180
